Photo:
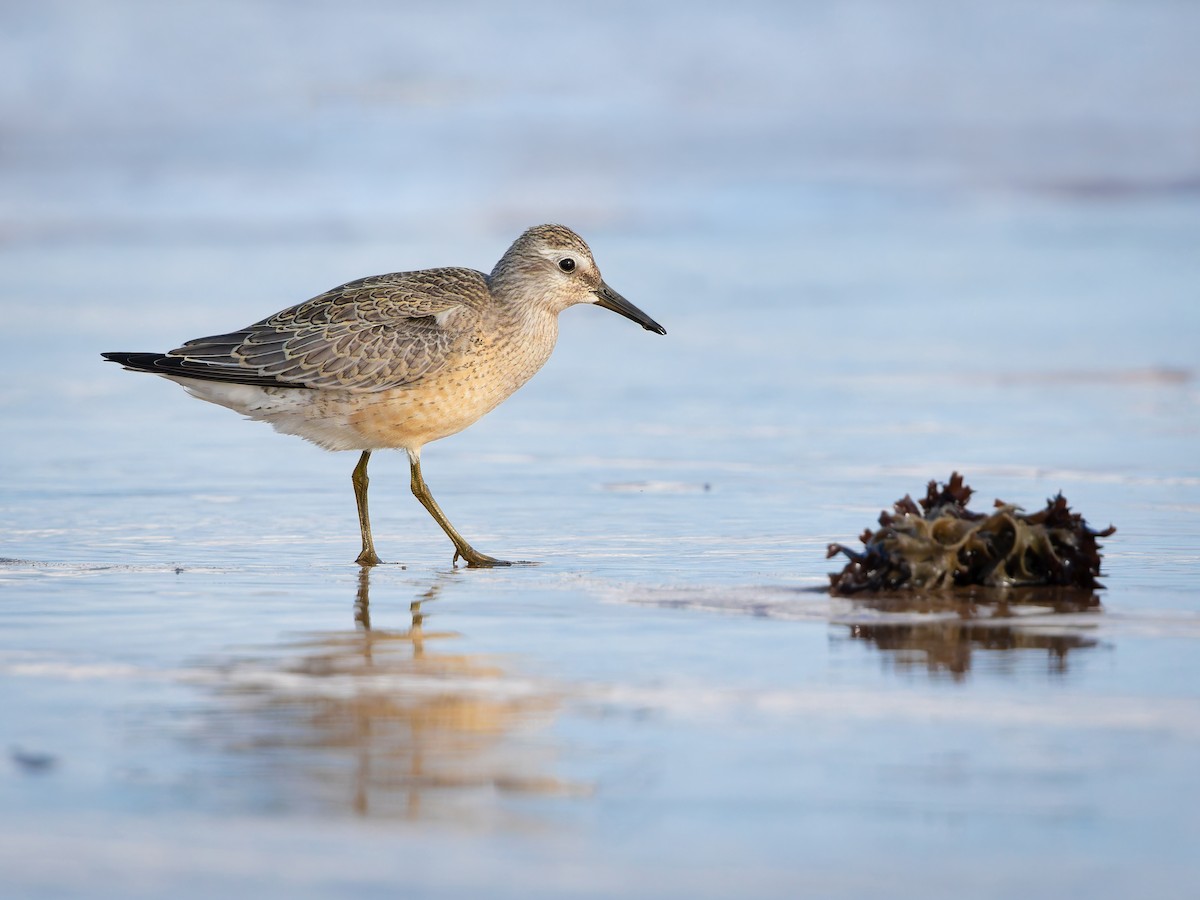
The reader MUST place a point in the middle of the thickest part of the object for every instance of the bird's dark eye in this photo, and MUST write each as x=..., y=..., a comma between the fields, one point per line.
x=567, y=264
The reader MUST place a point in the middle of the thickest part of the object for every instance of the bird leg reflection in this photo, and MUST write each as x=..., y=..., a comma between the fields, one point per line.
x=362, y=600
x=362, y=613
x=387, y=721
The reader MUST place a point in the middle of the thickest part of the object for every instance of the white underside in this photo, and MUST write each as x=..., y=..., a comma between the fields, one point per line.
x=287, y=410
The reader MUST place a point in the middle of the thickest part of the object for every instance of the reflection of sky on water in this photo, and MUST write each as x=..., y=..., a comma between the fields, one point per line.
x=392, y=723
x=995, y=633
x=611, y=727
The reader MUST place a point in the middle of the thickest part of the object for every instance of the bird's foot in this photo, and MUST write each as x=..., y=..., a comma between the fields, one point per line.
x=367, y=557
x=477, y=560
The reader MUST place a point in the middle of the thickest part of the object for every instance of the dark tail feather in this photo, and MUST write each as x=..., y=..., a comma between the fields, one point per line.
x=137, y=362
x=183, y=367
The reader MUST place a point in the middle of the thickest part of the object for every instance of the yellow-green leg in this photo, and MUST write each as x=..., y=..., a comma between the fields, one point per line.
x=360, y=481
x=421, y=492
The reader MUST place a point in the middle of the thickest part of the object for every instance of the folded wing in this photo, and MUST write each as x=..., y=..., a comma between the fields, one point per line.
x=369, y=335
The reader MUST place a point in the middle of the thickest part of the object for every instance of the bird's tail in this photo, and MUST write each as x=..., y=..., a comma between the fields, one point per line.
x=137, y=362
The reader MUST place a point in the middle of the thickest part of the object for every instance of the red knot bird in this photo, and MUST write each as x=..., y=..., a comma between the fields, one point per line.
x=396, y=361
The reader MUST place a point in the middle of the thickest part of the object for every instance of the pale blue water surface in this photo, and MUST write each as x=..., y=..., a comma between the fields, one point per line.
x=888, y=241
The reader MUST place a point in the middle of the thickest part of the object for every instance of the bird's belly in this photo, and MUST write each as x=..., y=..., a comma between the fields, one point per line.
x=405, y=417
x=411, y=417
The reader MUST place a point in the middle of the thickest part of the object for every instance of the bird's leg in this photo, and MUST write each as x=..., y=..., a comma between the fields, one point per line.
x=421, y=492
x=360, y=480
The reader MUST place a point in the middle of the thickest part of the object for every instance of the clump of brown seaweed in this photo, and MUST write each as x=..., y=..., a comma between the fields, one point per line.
x=942, y=545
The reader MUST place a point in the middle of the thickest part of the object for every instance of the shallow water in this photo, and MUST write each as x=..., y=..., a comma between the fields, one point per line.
x=886, y=245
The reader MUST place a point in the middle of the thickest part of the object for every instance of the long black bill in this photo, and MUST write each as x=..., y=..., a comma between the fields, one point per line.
x=610, y=299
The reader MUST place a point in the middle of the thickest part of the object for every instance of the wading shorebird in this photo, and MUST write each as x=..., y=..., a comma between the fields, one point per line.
x=396, y=361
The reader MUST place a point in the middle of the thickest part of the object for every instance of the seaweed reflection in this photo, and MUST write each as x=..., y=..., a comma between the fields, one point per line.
x=944, y=633
x=380, y=723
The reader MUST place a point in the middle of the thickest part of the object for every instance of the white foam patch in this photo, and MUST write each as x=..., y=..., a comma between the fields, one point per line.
x=690, y=701
x=808, y=603
x=15, y=569
x=286, y=683
x=1179, y=716
x=657, y=487
x=766, y=602
x=277, y=679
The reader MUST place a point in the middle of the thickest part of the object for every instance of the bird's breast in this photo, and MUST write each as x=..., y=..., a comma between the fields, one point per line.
x=489, y=368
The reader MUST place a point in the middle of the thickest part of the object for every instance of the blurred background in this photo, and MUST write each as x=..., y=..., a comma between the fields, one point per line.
x=823, y=202
x=887, y=240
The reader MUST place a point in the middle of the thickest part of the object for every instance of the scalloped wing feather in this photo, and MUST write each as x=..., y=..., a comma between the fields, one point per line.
x=369, y=335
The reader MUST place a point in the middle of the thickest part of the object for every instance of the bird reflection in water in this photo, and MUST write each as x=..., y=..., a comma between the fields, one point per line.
x=381, y=724
x=945, y=634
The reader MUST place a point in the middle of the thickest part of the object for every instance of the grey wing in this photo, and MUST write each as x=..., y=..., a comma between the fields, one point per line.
x=370, y=335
